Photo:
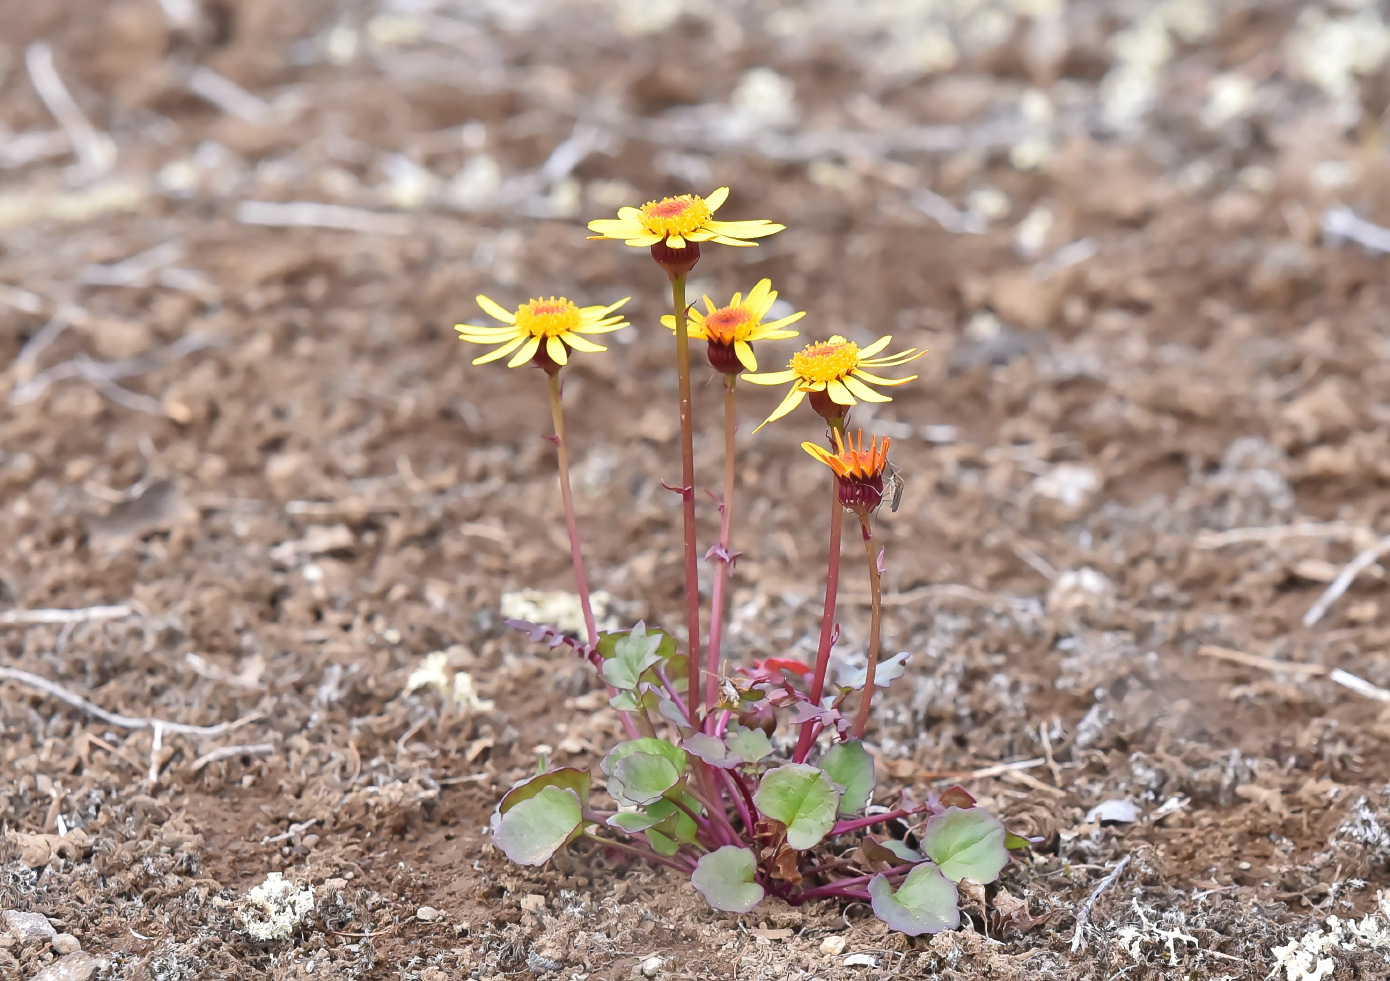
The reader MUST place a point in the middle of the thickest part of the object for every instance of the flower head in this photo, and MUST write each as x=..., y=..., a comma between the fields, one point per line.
x=861, y=472
x=675, y=227
x=540, y=329
x=832, y=373
x=731, y=330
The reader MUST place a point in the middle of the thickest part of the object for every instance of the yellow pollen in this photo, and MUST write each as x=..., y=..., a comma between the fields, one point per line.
x=825, y=362
x=729, y=324
x=675, y=216
x=547, y=318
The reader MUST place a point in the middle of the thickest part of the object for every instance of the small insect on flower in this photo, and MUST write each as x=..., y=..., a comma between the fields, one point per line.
x=861, y=472
x=675, y=227
x=540, y=331
x=832, y=373
x=731, y=330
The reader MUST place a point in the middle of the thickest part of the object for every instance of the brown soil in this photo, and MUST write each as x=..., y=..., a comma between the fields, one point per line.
x=300, y=510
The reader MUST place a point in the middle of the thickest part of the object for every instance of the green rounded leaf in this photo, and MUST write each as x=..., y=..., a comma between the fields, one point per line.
x=647, y=773
x=750, y=744
x=536, y=828
x=642, y=778
x=801, y=797
x=850, y=765
x=565, y=777
x=633, y=653
x=712, y=750
x=725, y=878
x=966, y=844
x=632, y=821
x=924, y=903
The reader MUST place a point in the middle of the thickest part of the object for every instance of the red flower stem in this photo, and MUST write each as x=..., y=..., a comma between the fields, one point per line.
x=829, y=892
x=875, y=621
x=721, y=577
x=581, y=578
x=710, y=832
x=692, y=568
x=645, y=853
x=832, y=888
x=827, y=623
x=824, y=867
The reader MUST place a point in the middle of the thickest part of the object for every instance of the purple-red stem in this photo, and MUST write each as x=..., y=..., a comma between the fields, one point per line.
x=644, y=853
x=712, y=802
x=701, y=823
x=833, y=888
x=671, y=690
x=854, y=824
x=581, y=578
x=743, y=801
x=725, y=556
x=692, y=566
x=875, y=621
x=827, y=624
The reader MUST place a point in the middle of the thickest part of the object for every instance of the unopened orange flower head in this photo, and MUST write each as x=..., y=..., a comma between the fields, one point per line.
x=832, y=373
x=861, y=472
x=674, y=228
x=540, y=330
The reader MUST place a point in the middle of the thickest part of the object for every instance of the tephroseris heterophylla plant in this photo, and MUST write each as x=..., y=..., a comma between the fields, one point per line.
x=698, y=787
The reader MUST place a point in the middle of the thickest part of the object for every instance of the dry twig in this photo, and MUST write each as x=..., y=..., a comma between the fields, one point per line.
x=95, y=150
x=312, y=214
x=228, y=752
x=1255, y=661
x=1344, y=580
x=86, y=614
x=1276, y=534
x=111, y=718
x=1078, y=939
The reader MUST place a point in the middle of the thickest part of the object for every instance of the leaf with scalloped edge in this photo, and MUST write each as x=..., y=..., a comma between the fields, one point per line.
x=966, y=844
x=536, y=828
x=803, y=798
x=725, y=877
x=925, y=902
x=850, y=765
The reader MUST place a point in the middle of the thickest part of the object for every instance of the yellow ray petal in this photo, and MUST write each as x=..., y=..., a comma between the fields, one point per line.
x=725, y=240
x=838, y=393
x=864, y=391
x=605, y=327
x=775, y=324
x=761, y=294
x=675, y=242
x=486, y=333
x=793, y=399
x=495, y=310
x=875, y=347
x=502, y=351
x=699, y=235
x=642, y=241
x=772, y=378
x=526, y=353
x=669, y=322
x=772, y=335
x=556, y=350
x=744, y=351
x=892, y=360
x=819, y=452
x=629, y=214
x=582, y=343
x=716, y=199
x=617, y=228
x=745, y=229
x=879, y=380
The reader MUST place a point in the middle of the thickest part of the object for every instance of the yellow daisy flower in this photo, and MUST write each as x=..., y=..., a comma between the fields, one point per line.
x=676, y=221
x=731, y=330
x=861, y=473
x=541, y=329
x=832, y=373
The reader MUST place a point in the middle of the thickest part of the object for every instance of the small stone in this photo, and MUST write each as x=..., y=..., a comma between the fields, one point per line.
x=651, y=967
x=832, y=946
x=76, y=966
x=427, y=914
x=25, y=928
x=533, y=902
x=861, y=960
x=66, y=943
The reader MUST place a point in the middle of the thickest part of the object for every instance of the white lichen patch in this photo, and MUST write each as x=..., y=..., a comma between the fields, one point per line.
x=434, y=671
x=1139, y=941
x=1309, y=958
x=273, y=909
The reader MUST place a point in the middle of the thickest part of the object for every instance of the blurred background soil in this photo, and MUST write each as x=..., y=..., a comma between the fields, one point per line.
x=1152, y=428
